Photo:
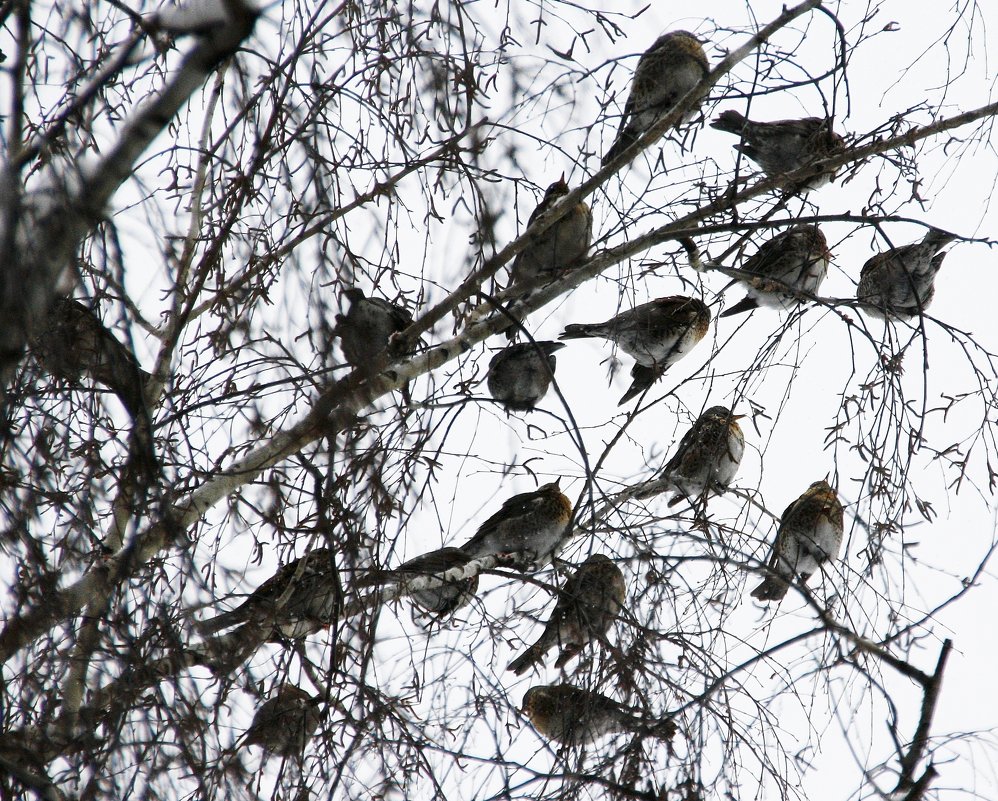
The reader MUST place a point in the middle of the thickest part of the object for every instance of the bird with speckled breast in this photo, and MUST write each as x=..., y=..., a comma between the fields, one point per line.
x=666, y=72
x=792, y=262
x=437, y=602
x=562, y=245
x=656, y=334
x=573, y=716
x=285, y=722
x=900, y=282
x=810, y=534
x=519, y=376
x=587, y=606
x=529, y=529
x=785, y=146
x=708, y=455
x=300, y=599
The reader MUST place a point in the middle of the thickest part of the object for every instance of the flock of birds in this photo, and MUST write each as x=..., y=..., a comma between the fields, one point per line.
x=529, y=529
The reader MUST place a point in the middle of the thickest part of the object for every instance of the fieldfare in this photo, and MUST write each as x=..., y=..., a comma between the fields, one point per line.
x=438, y=602
x=587, y=606
x=657, y=334
x=529, y=529
x=810, y=534
x=520, y=375
x=284, y=724
x=794, y=261
x=298, y=600
x=785, y=145
x=901, y=281
x=573, y=716
x=666, y=71
x=708, y=455
x=560, y=246
x=74, y=341
x=366, y=329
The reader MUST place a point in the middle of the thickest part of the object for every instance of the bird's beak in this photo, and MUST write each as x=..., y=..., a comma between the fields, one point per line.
x=738, y=416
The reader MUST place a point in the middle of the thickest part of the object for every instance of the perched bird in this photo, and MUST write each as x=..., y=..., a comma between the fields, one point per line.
x=657, y=334
x=810, y=534
x=795, y=260
x=666, y=71
x=440, y=601
x=365, y=330
x=74, y=341
x=587, y=606
x=530, y=528
x=284, y=724
x=573, y=716
x=520, y=375
x=785, y=145
x=901, y=281
x=560, y=246
x=301, y=598
x=708, y=454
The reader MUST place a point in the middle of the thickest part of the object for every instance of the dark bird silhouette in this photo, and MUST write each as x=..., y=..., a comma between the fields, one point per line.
x=520, y=375
x=285, y=722
x=74, y=342
x=366, y=329
x=573, y=716
x=785, y=145
x=301, y=598
x=666, y=72
x=900, y=282
x=586, y=608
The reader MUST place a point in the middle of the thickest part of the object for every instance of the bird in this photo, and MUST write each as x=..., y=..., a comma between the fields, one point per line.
x=74, y=341
x=573, y=716
x=901, y=281
x=528, y=530
x=301, y=598
x=587, y=606
x=562, y=245
x=657, y=334
x=794, y=261
x=285, y=722
x=519, y=376
x=365, y=331
x=438, y=602
x=666, y=72
x=708, y=455
x=785, y=146
x=810, y=534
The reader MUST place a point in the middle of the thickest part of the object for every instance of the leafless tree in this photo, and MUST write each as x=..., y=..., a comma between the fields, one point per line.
x=208, y=183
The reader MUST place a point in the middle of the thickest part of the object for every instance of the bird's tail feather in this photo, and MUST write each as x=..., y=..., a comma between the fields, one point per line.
x=625, y=138
x=744, y=305
x=730, y=122
x=643, y=377
x=774, y=588
x=578, y=331
x=527, y=660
